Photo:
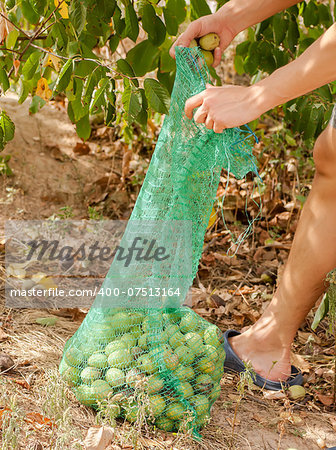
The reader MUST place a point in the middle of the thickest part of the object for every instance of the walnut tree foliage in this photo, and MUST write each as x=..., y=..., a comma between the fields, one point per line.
x=78, y=49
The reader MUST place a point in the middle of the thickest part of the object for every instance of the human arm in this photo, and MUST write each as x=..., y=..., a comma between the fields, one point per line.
x=231, y=106
x=229, y=20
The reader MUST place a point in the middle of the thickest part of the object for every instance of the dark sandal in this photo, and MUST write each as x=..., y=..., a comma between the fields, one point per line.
x=234, y=364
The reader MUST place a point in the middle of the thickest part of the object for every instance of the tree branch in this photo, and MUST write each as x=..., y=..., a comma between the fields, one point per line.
x=12, y=23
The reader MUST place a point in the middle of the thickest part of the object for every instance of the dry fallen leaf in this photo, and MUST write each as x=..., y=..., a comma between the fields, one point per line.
x=81, y=149
x=332, y=420
x=274, y=395
x=38, y=421
x=22, y=383
x=326, y=400
x=6, y=362
x=300, y=362
x=3, y=411
x=75, y=314
x=3, y=335
x=98, y=438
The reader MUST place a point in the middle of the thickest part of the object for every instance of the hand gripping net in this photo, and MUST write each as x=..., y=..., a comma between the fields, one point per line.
x=151, y=354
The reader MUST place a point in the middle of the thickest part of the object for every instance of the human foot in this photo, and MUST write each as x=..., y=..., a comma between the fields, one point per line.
x=267, y=359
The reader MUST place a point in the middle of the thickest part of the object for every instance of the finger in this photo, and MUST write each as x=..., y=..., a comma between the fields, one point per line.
x=185, y=38
x=218, y=127
x=209, y=123
x=200, y=115
x=192, y=103
x=217, y=56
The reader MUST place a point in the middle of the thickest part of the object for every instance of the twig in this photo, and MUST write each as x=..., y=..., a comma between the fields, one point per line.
x=25, y=38
x=9, y=50
x=12, y=23
x=35, y=35
x=81, y=58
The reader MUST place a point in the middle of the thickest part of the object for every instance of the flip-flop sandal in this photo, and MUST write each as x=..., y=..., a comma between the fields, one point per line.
x=234, y=364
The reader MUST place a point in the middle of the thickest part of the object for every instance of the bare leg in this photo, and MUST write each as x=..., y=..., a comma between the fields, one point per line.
x=268, y=342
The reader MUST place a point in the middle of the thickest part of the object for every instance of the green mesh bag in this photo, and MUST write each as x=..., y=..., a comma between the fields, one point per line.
x=150, y=354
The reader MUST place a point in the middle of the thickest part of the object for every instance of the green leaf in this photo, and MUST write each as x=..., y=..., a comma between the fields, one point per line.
x=59, y=33
x=102, y=9
x=110, y=115
x=311, y=14
x=290, y=140
x=2, y=143
x=12, y=38
x=157, y=95
x=134, y=106
x=167, y=79
x=125, y=68
x=99, y=93
x=47, y=321
x=153, y=25
x=84, y=68
x=4, y=167
x=114, y=42
x=167, y=63
x=293, y=35
x=36, y=103
x=132, y=102
x=199, y=8
x=305, y=43
x=77, y=15
x=243, y=48
x=83, y=127
x=325, y=17
x=119, y=23
x=239, y=64
x=178, y=9
x=7, y=126
x=64, y=76
x=90, y=84
x=143, y=58
x=309, y=124
x=171, y=22
x=279, y=28
x=24, y=91
x=251, y=65
x=31, y=65
x=77, y=110
x=131, y=20
x=4, y=81
x=39, y=6
x=321, y=312
x=29, y=13
x=143, y=115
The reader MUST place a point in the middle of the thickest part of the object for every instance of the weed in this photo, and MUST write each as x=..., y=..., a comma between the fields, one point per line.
x=56, y=406
x=94, y=214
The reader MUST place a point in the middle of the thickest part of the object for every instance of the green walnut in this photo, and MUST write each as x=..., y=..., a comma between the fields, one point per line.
x=209, y=42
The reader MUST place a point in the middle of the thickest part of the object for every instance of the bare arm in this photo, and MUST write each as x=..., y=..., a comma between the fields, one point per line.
x=314, y=68
x=231, y=106
x=245, y=13
x=229, y=20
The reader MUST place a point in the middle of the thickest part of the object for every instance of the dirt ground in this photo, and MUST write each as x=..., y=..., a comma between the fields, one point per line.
x=50, y=174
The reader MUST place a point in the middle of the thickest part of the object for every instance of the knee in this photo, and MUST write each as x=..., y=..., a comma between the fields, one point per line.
x=325, y=152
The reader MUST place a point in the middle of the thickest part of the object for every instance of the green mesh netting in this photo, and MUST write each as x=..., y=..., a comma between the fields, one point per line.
x=148, y=353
